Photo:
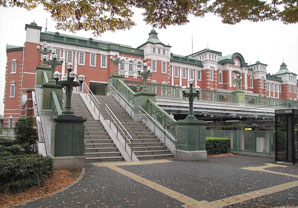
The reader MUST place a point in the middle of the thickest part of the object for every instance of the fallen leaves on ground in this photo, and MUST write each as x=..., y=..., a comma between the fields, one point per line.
x=60, y=180
x=222, y=155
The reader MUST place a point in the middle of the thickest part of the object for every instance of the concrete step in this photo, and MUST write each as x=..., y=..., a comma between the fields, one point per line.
x=140, y=144
x=88, y=141
x=104, y=159
x=102, y=154
x=149, y=148
x=154, y=157
x=152, y=152
x=105, y=149
x=99, y=145
x=144, y=140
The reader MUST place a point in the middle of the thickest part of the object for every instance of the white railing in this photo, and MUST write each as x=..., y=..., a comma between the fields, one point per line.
x=40, y=129
x=120, y=129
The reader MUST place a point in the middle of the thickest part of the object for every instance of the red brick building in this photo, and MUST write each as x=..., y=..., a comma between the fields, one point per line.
x=208, y=68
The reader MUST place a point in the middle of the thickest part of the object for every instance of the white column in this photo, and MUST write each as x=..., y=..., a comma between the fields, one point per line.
x=195, y=77
x=75, y=68
x=230, y=78
x=63, y=63
x=245, y=77
x=180, y=77
x=172, y=78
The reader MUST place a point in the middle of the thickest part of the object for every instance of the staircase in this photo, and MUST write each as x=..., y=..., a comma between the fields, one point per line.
x=99, y=146
x=145, y=145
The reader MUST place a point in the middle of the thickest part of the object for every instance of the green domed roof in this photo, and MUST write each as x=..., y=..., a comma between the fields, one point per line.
x=283, y=69
x=258, y=62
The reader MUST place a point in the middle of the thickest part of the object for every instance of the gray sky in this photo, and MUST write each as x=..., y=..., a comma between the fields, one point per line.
x=269, y=42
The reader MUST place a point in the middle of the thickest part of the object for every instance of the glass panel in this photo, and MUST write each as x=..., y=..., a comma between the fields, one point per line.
x=281, y=137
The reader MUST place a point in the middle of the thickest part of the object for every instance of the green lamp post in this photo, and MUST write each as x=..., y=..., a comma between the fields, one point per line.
x=116, y=61
x=191, y=95
x=145, y=73
x=69, y=83
x=44, y=50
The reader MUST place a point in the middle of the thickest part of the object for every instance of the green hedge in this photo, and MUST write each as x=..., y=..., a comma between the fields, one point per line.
x=217, y=145
x=20, y=172
x=7, y=142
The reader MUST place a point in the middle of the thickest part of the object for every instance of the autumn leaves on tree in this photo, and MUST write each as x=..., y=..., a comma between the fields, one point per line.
x=100, y=16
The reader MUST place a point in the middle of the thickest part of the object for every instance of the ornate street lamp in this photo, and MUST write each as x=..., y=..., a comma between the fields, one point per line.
x=190, y=94
x=69, y=83
x=116, y=62
x=144, y=74
x=45, y=50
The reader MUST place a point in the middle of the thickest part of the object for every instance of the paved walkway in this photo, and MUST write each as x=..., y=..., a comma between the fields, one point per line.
x=236, y=181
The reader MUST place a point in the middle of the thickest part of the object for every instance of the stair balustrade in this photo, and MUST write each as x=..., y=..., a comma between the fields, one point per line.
x=120, y=129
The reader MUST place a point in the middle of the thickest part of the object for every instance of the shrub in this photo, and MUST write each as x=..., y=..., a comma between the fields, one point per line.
x=7, y=142
x=20, y=172
x=26, y=134
x=217, y=145
x=14, y=149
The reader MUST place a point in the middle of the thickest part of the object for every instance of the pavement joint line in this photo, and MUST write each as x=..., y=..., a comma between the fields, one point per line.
x=192, y=203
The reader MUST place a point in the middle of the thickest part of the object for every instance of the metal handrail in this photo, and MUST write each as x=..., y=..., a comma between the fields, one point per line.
x=168, y=134
x=127, y=137
x=119, y=126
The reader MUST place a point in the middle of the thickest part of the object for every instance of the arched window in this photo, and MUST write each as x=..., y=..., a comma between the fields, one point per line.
x=220, y=78
x=130, y=66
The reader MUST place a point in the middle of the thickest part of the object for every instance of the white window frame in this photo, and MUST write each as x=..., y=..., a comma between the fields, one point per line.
x=69, y=56
x=12, y=90
x=154, y=50
x=220, y=77
x=10, y=122
x=92, y=58
x=212, y=74
x=251, y=82
x=184, y=73
x=58, y=53
x=234, y=80
x=164, y=67
x=262, y=84
x=83, y=58
x=290, y=89
x=176, y=71
x=154, y=65
x=13, y=66
x=199, y=75
x=130, y=66
x=191, y=74
x=122, y=66
x=103, y=61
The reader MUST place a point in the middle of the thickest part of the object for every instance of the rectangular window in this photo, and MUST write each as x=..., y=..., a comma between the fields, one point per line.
x=191, y=74
x=58, y=53
x=267, y=86
x=164, y=67
x=176, y=73
x=164, y=52
x=199, y=75
x=12, y=89
x=13, y=66
x=211, y=74
x=103, y=61
x=184, y=73
x=92, y=59
x=10, y=122
x=220, y=77
x=81, y=58
x=251, y=82
x=159, y=51
x=153, y=50
x=130, y=66
x=122, y=66
x=69, y=56
x=234, y=80
x=154, y=65
x=290, y=89
x=262, y=84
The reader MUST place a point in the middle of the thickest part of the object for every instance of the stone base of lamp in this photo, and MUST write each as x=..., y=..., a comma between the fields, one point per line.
x=191, y=139
x=141, y=98
x=47, y=98
x=68, y=137
x=39, y=77
x=68, y=162
x=191, y=155
x=112, y=80
x=238, y=96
